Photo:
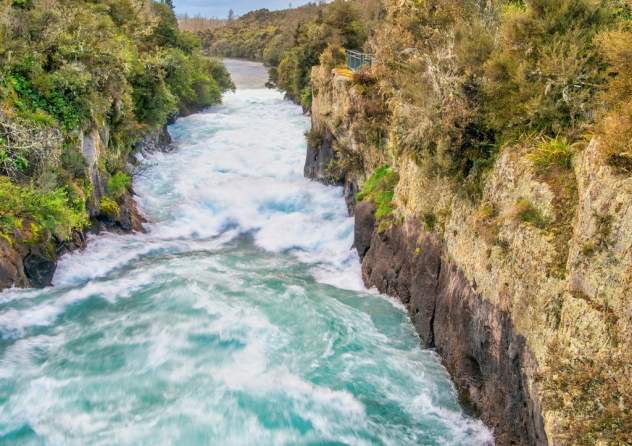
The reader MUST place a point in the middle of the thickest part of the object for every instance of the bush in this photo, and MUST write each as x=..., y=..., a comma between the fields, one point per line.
x=24, y=211
x=546, y=72
x=119, y=184
x=430, y=221
x=315, y=138
x=380, y=189
x=333, y=56
x=153, y=101
x=615, y=128
x=526, y=212
x=306, y=98
x=110, y=208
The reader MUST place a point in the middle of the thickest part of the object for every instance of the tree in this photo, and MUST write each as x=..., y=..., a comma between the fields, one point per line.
x=231, y=15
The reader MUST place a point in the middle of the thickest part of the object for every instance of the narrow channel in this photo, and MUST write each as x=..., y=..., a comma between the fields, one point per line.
x=238, y=318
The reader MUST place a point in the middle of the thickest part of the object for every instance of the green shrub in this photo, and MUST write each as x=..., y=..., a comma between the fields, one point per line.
x=315, y=137
x=153, y=101
x=306, y=97
x=430, y=221
x=526, y=212
x=333, y=56
x=546, y=72
x=380, y=189
x=24, y=209
x=119, y=184
x=110, y=208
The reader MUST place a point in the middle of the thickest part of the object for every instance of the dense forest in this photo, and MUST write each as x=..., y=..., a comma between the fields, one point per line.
x=121, y=68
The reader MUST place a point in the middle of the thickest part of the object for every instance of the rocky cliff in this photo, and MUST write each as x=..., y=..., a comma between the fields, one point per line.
x=524, y=290
x=34, y=264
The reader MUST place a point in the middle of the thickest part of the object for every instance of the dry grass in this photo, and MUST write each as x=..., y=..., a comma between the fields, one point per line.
x=486, y=223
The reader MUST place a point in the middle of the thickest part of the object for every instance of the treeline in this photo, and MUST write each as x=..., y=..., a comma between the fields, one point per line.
x=248, y=36
x=290, y=42
x=69, y=67
x=196, y=24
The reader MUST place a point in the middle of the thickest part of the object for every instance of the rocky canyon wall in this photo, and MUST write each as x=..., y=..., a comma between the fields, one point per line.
x=523, y=291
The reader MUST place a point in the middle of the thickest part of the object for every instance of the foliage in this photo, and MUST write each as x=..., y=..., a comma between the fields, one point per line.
x=332, y=57
x=119, y=184
x=615, y=128
x=153, y=100
x=380, y=189
x=26, y=210
x=121, y=67
x=259, y=35
x=526, y=212
x=315, y=137
x=430, y=221
x=291, y=42
x=552, y=152
x=110, y=208
x=460, y=79
x=198, y=23
x=544, y=75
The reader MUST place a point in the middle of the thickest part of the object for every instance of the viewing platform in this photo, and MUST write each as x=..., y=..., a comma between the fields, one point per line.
x=355, y=61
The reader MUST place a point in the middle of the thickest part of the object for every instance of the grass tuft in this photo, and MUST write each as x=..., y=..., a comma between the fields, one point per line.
x=380, y=189
x=552, y=152
x=525, y=212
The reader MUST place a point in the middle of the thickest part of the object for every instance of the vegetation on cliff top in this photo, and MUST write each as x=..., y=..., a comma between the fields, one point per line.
x=66, y=67
x=290, y=42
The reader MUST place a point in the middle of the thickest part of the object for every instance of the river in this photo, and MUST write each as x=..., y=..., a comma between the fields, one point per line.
x=238, y=318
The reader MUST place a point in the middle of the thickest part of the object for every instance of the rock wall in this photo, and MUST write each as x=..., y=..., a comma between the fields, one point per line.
x=527, y=310
x=487, y=358
x=33, y=265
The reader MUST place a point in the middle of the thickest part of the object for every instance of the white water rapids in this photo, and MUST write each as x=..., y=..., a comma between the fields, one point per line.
x=239, y=318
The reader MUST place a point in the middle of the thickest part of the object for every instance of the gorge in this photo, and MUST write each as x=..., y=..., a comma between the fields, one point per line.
x=238, y=317
x=420, y=232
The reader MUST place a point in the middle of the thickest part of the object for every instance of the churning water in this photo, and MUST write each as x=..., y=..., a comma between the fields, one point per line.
x=239, y=318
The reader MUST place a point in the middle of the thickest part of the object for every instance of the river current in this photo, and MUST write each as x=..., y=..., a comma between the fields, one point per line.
x=238, y=318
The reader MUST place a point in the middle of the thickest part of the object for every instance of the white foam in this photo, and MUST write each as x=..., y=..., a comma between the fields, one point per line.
x=235, y=167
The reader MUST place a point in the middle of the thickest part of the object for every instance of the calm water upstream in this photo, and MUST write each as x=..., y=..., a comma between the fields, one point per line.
x=239, y=318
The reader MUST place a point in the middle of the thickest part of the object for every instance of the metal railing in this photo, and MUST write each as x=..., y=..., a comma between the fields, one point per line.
x=356, y=59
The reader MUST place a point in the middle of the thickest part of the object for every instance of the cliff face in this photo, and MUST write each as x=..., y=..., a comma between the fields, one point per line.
x=33, y=264
x=524, y=291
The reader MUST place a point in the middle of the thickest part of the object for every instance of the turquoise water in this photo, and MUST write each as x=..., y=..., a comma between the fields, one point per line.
x=239, y=318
